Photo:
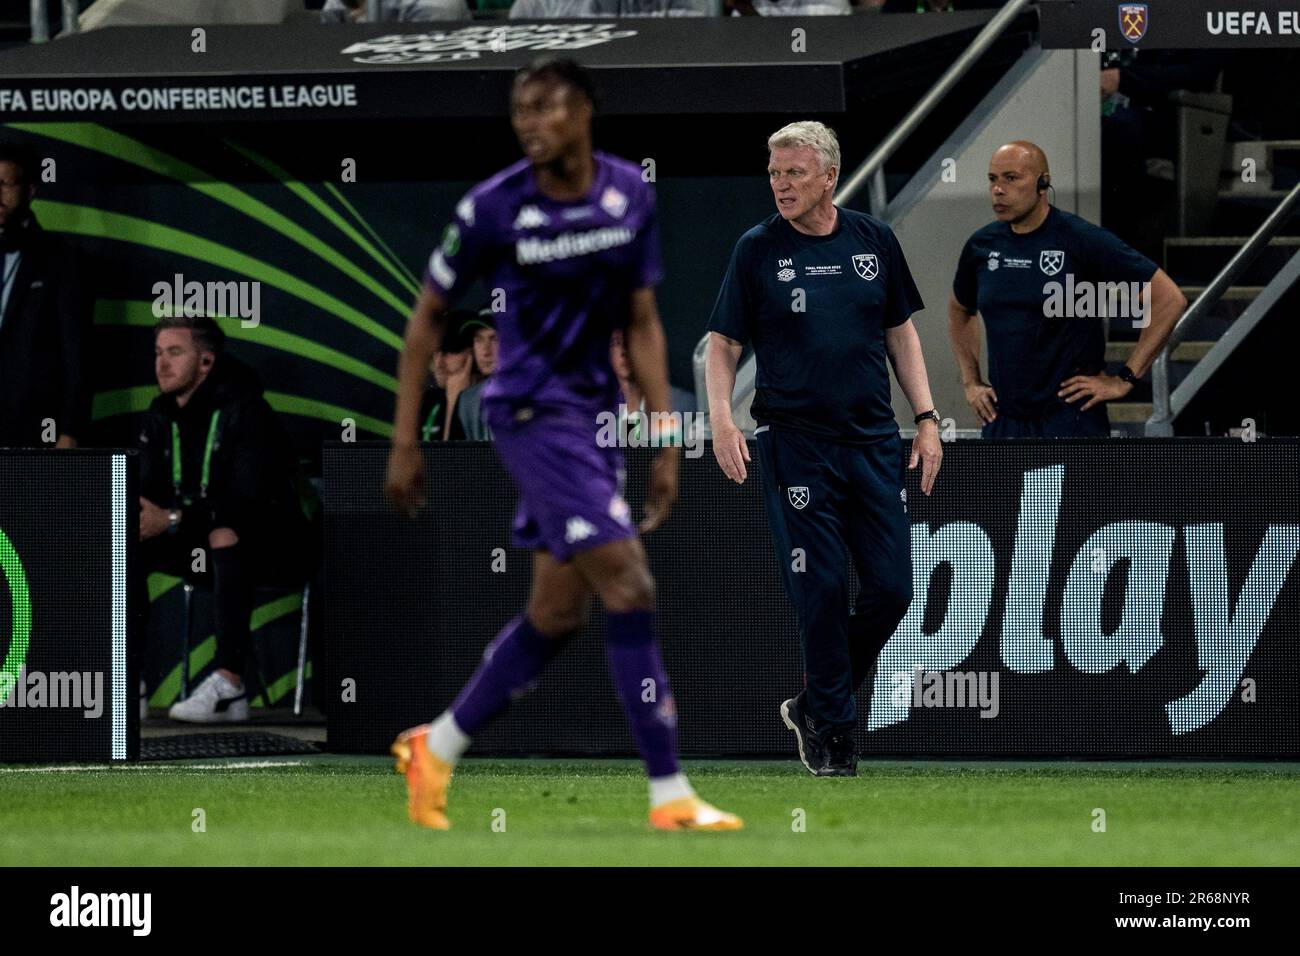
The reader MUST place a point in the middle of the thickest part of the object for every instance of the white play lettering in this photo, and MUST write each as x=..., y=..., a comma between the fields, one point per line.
x=969, y=552
x=1223, y=647
x=1224, y=641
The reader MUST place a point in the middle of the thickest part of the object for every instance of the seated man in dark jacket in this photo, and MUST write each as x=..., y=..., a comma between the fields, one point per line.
x=218, y=498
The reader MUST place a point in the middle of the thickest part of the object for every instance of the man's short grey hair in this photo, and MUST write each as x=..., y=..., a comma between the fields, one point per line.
x=817, y=136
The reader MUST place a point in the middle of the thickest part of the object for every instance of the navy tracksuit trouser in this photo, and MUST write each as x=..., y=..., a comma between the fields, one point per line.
x=827, y=500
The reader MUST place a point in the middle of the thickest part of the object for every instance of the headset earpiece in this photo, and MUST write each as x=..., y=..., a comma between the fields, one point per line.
x=1043, y=182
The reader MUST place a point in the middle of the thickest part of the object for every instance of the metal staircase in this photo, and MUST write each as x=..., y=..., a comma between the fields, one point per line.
x=1194, y=262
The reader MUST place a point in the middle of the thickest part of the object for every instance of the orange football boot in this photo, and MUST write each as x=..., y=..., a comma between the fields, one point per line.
x=427, y=778
x=692, y=813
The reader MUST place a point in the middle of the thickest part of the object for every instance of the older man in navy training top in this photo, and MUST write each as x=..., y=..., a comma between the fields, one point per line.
x=826, y=298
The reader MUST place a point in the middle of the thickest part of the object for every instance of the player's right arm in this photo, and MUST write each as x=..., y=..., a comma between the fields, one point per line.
x=404, y=483
x=729, y=447
x=964, y=328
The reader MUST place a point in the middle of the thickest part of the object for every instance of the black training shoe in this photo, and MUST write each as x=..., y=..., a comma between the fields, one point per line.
x=805, y=733
x=841, y=757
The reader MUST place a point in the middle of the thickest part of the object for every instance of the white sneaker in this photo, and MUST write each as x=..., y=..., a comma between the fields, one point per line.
x=144, y=700
x=214, y=701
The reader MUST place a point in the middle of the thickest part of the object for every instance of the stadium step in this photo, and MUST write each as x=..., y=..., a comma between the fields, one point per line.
x=1195, y=260
x=1129, y=418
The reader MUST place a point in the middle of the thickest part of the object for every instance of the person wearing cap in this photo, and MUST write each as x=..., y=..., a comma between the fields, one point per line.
x=483, y=333
x=454, y=374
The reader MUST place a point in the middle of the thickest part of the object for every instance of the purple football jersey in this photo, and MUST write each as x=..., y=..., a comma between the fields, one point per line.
x=563, y=272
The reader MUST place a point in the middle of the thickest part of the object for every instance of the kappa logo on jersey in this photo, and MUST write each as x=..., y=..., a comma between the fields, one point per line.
x=530, y=217
x=619, y=511
x=867, y=265
x=613, y=202
x=1051, y=260
x=1133, y=21
x=798, y=496
x=993, y=260
x=578, y=529
x=465, y=209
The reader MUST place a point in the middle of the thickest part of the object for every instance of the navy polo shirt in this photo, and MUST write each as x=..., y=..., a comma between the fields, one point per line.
x=816, y=309
x=1028, y=289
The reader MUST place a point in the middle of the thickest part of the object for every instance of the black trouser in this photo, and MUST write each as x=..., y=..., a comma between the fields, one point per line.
x=1059, y=421
x=279, y=555
x=826, y=499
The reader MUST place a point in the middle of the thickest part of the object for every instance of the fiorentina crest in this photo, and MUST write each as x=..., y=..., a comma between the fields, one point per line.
x=867, y=265
x=1133, y=21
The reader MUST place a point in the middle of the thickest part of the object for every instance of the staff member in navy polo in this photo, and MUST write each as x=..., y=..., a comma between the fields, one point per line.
x=1047, y=375
x=825, y=296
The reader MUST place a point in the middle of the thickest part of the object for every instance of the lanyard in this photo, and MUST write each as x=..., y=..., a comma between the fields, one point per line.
x=10, y=272
x=429, y=422
x=207, y=457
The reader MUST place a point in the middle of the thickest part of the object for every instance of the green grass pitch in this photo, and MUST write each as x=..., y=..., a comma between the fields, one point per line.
x=327, y=810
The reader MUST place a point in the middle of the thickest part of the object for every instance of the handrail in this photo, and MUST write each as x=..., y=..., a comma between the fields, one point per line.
x=873, y=167
x=40, y=22
x=1161, y=420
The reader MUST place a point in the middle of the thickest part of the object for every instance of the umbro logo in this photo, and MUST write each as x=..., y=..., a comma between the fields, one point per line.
x=530, y=217
x=785, y=275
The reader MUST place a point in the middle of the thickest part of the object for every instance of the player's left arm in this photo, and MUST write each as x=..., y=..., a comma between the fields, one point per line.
x=904, y=347
x=647, y=353
x=1163, y=304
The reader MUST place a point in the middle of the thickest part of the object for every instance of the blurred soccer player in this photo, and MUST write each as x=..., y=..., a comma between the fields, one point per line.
x=569, y=235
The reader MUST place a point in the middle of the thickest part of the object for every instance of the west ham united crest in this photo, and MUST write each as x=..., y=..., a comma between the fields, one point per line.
x=1133, y=21
x=798, y=496
x=1051, y=260
x=867, y=265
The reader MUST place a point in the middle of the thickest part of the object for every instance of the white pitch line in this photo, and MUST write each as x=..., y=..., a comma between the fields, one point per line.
x=246, y=765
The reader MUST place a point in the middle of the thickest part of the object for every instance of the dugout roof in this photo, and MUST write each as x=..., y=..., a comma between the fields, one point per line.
x=645, y=66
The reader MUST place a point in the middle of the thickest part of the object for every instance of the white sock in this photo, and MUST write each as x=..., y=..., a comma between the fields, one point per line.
x=446, y=740
x=666, y=789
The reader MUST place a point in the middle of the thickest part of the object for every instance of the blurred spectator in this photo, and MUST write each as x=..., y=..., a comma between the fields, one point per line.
x=395, y=11
x=44, y=319
x=936, y=6
x=1139, y=138
x=453, y=372
x=786, y=8
x=483, y=329
x=218, y=478
x=556, y=9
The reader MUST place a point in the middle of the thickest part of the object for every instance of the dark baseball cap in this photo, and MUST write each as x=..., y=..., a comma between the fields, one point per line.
x=455, y=336
x=485, y=319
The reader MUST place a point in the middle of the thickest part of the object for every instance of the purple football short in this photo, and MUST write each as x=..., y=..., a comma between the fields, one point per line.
x=570, y=488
